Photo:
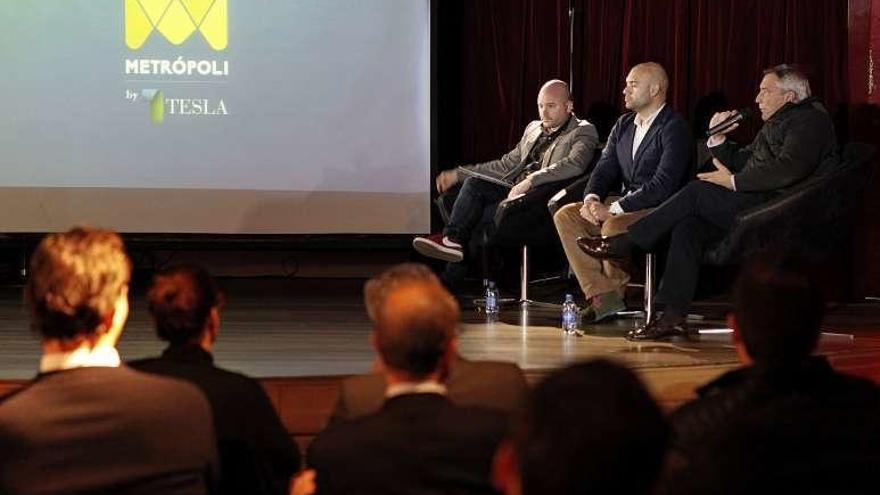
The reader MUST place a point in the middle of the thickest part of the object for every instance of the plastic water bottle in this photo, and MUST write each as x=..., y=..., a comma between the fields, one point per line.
x=569, y=315
x=491, y=299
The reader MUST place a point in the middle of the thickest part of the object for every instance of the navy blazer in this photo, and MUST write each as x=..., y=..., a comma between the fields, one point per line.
x=661, y=166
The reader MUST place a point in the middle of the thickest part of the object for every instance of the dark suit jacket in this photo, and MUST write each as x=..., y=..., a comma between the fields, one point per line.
x=106, y=430
x=661, y=166
x=416, y=444
x=256, y=453
x=799, y=428
x=791, y=145
x=489, y=384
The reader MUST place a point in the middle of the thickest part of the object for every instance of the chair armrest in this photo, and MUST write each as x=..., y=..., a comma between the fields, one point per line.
x=572, y=193
x=813, y=216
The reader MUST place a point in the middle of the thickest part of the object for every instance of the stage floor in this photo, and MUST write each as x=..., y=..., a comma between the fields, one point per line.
x=317, y=327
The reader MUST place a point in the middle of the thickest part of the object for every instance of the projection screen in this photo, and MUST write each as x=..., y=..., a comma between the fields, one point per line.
x=215, y=116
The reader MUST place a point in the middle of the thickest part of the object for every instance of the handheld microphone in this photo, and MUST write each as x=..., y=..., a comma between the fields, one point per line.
x=737, y=117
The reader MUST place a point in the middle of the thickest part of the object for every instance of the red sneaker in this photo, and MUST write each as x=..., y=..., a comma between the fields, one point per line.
x=440, y=247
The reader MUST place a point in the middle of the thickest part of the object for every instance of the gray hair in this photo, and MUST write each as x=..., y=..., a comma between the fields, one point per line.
x=791, y=79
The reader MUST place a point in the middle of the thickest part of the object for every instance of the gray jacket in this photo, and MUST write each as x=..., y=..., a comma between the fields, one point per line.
x=567, y=157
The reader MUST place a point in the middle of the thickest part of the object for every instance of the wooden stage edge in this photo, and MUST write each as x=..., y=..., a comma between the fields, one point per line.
x=304, y=403
x=301, y=338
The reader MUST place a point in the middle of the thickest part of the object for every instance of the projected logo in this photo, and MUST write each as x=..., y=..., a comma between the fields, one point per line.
x=156, y=100
x=160, y=105
x=176, y=21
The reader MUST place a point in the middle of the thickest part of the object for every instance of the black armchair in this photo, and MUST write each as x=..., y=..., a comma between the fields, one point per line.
x=526, y=223
x=816, y=216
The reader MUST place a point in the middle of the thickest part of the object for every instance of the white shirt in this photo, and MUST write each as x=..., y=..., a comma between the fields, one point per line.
x=83, y=357
x=415, y=388
x=642, y=127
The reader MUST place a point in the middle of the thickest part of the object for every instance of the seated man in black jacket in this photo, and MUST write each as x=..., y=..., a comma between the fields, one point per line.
x=256, y=453
x=786, y=422
x=797, y=136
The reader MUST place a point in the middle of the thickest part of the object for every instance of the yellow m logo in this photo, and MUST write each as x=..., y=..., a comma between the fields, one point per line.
x=177, y=20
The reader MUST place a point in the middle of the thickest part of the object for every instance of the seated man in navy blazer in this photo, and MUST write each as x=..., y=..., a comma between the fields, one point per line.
x=796, y=140
x=87, y=424
x=419, y=442
x=647, y=159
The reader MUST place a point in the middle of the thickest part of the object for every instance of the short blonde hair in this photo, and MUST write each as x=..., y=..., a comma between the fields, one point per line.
x=75, y=280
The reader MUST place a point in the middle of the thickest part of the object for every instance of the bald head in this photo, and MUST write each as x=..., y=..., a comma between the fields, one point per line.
x=646, y=86
x=654, y=74
x=377, y=288
x=554, y=104
x=557, y=88
x=415, y=326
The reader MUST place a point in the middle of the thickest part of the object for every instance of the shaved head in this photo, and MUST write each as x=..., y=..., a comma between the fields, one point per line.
x=655, y=74
x=415, y=326
x=554, y=104
x=557, y=88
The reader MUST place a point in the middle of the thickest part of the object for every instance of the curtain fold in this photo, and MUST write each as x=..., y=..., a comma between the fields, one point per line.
x=505, y=50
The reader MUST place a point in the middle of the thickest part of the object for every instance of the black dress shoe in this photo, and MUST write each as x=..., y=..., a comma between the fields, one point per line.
x=663, y=327
x=616, y=247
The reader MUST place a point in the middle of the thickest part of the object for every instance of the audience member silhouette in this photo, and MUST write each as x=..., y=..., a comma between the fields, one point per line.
x=589, y=428
x=786, y=421
x=86, y=424
x=257, y=456
x=419, y=442
x=493, y=384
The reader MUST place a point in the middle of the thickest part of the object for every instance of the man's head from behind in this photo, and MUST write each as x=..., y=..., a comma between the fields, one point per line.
x=184, y=302
x=377, y=288
x=78, y=285
x=776, y=312
x=646, y=86
x=554, y=104
x=588, y=428
x=414, y=331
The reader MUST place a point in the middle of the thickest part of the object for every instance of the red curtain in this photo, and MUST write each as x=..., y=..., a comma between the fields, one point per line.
x=505, y=49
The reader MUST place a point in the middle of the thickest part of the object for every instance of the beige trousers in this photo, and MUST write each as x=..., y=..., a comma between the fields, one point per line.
x=595, y=276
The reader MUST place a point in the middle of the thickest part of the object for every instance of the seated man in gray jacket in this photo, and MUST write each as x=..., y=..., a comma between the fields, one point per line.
x=492, y=384
x=556, y=147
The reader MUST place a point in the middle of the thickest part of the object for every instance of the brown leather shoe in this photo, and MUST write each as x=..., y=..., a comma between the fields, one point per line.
x=663, y=327
x=616, y=247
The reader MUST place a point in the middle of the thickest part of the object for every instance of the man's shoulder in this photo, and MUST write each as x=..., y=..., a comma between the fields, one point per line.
x=160, y=385
x=808, y=112
x=625, y=119
x=191, y=371
x=111, y=387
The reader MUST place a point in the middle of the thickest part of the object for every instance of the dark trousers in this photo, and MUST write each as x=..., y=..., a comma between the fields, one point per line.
x=695, y=216
x=470, y=208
